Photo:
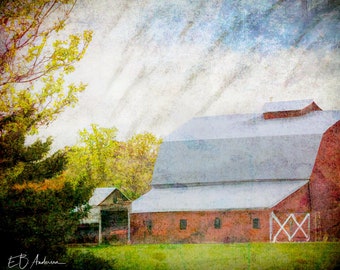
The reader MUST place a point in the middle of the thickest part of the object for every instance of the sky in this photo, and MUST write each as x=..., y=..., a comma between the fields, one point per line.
x=155, y=64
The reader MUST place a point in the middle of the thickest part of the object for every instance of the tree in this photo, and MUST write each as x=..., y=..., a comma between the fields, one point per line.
x=37, y=204
x=90, y=158
x=135, y=166
x=100, y=157
x=30, y=54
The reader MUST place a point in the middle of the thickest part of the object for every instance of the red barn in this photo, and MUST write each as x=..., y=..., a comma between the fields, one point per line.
x=272, y=176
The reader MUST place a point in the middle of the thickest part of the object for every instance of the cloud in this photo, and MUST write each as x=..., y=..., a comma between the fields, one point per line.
x=155, y=64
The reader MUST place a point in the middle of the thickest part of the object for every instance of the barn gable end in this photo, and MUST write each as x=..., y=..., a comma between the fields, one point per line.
x=232, y=166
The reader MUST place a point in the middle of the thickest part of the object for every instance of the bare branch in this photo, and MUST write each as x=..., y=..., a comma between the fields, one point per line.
x=21, y=39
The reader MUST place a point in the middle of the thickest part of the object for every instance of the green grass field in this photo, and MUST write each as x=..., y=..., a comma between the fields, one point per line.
x=222, y=256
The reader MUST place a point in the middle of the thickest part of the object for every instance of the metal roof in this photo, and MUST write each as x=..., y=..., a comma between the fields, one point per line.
x=253, y=125
x=242, y=148
x=286, y=105
x=235, y=161
x=231, y=196
x=99, y=195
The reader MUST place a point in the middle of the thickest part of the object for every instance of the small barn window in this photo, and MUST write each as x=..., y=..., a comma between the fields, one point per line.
x=256, y=223
x=217, y=223
x=183, y=224
x=148, y=224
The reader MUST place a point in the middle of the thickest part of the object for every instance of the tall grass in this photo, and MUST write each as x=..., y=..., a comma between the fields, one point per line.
x=223, y=256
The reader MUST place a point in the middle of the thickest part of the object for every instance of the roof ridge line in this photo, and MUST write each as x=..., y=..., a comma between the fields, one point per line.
x=216, y=183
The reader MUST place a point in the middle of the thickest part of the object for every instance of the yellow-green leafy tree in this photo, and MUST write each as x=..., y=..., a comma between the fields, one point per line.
x=106, y=161
x=135, y=164
x=91, y=157
x=36, y=202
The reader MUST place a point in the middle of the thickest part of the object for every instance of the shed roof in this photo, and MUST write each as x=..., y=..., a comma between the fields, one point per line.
x=230, y=196
x=100, y=194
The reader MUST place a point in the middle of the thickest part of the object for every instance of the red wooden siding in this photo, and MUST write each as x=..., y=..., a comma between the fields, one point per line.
x=236, y=226
x=325, y=186
x=299, y=201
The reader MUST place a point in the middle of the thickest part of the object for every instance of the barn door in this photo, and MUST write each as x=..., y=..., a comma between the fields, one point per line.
x=292, y=227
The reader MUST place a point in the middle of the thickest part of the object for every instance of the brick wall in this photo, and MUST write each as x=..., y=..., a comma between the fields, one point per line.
x=200, y=227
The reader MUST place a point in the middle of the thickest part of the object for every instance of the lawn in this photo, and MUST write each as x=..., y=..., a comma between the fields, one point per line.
x=222, y=256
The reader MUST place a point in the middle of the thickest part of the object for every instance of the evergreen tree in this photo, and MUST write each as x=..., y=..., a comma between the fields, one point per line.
x=39, y=209
x=37, y=206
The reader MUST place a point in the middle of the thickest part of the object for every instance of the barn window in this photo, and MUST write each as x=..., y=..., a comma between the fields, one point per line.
x=183, y=224
x=149, y=225
x=217, y=223
x=256, y=223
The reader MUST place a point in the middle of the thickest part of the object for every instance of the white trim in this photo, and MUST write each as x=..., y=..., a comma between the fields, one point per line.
x=290, y=237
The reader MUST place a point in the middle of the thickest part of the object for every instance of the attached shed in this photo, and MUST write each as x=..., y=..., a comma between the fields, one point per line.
x=109, y=213
x=272, y=176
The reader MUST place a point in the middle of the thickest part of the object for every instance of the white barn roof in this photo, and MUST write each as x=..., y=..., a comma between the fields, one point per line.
x=99, y=195
x=236, y=161
x=246, y=195
x=242, y=148
x=287, y=105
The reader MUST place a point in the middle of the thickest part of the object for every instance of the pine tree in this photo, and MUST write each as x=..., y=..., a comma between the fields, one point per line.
x=39, y=209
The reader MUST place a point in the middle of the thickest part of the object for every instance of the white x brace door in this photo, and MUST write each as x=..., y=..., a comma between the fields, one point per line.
x=288, y=228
